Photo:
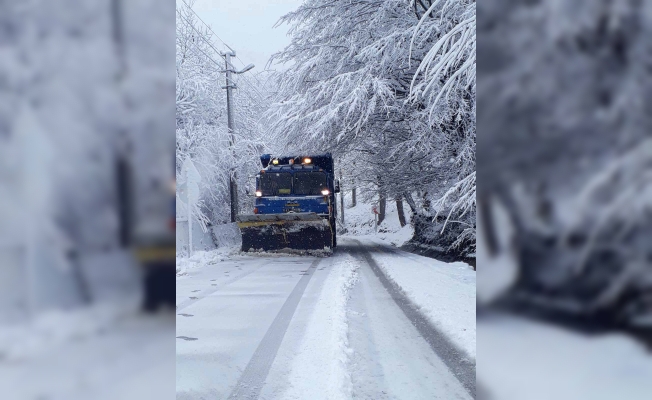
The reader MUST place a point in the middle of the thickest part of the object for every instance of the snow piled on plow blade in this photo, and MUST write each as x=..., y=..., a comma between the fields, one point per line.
x=285, y=232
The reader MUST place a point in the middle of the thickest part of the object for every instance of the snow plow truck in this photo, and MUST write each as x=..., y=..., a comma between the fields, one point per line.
x=294, y=207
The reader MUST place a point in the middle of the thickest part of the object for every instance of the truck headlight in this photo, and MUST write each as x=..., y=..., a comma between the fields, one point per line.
x=325, y=192
x=259, y=193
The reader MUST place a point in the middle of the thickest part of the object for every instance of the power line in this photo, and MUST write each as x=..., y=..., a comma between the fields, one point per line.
x=252, y=87
x=205, y=24
x=255, y=77
x=209, y=57
x=203, y=37
x=217, y=36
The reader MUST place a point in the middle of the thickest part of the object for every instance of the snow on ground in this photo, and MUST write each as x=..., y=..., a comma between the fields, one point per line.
x=359, y=221
x=204, y=258
x=57, y=327
x=522, y=359
x=74, y=350
x=444, y=292
x=103, y=351
x=324, y=350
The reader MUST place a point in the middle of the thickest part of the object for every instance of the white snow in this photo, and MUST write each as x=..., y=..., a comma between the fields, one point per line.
x=203, y=258
x=528, y=360
x=359, y=221
x=227, y=306
x=444, y=292
x=320, y=370
x=106, y=351
x=56, y=327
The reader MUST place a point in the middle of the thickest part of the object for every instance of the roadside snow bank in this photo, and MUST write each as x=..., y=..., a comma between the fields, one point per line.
x=320, y=369
x=359, y=221
x=204, y=258
x=531, y=360
x=444, y=292
x=227, y=235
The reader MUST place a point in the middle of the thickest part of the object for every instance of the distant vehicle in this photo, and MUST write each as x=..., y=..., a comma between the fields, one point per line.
x=295, y=205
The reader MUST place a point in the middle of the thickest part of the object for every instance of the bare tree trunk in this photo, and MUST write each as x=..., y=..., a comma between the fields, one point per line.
x=488, y=230
x=381, y=208
x=401, y=214
x=426, y=202
x=410, y=201
x=353, y=197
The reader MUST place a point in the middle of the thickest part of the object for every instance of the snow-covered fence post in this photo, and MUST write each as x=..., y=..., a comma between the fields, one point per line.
x=192, y=179
x=374, y=209
x=341, y=198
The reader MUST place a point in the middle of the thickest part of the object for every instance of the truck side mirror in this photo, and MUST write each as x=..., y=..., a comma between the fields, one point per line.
x=337, y=185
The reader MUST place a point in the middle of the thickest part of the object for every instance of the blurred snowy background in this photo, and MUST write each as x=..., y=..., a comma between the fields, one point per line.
x=83, y=84
x=565, y=180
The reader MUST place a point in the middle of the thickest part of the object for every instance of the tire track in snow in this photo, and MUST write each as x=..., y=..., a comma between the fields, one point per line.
x=253, y=377
x=455, y=359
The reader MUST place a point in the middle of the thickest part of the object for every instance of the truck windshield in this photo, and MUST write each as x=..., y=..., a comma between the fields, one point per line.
x=273, y=184
x=309, y=183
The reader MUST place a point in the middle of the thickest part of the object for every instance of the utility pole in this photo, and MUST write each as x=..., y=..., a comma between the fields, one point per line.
x=233, y=184
x=123, y=162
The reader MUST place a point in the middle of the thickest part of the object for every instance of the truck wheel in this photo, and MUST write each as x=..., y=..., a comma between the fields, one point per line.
x=334, y=239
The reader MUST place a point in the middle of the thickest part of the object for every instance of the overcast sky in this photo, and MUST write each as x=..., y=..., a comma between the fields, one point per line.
x=246, y=25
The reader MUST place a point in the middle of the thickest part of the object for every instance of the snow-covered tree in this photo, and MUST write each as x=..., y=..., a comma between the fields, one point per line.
x=364, y=80
x=201, y=120
x=564, y=121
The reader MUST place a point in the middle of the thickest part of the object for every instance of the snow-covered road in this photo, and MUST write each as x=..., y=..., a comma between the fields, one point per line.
x=129, y=356
x=290, y=327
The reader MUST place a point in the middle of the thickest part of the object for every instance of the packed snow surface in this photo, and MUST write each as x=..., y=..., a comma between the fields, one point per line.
x=523, y=359
x=108, y=351
x=280, y=326
x=57, y=327
x=443, y=292
x=324, y=351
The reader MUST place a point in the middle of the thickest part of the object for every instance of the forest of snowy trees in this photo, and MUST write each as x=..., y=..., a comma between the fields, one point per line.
x=82, y=85
x=565, y=91
x=94, y=80
x=387, y=87
x=201, y=118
